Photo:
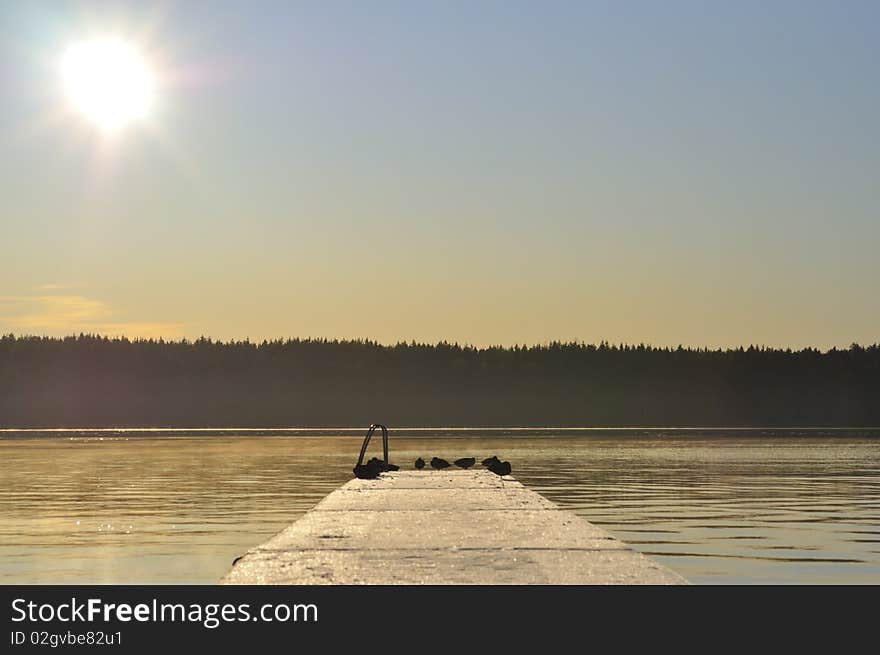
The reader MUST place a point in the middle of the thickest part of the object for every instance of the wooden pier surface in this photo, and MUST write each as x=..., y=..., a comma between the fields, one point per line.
x=443, y=527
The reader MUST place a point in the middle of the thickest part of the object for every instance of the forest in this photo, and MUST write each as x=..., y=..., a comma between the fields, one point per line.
x=96, y=381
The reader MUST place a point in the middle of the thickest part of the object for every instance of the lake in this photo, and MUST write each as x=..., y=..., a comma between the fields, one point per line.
x=718, y=506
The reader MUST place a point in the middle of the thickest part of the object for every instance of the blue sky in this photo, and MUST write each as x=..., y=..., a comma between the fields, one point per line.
x=488, y=172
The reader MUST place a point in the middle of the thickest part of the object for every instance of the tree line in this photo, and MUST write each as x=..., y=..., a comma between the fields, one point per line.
x=96, y=381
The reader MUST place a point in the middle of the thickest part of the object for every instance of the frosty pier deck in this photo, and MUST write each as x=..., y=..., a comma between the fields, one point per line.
x=443, y=527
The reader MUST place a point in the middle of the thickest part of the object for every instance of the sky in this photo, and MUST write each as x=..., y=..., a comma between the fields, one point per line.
x=684, y=172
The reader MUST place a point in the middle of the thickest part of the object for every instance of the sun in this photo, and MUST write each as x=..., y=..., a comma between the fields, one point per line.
x=108, y=81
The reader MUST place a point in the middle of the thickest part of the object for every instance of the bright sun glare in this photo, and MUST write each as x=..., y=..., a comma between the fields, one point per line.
x=108, y=81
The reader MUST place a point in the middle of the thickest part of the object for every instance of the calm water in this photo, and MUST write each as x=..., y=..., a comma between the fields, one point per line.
x=719, y=507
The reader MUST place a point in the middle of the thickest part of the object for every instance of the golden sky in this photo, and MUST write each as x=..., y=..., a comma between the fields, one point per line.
x=476, y=172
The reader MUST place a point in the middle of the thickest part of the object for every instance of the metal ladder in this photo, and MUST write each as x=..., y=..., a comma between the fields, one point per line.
x=369, y=472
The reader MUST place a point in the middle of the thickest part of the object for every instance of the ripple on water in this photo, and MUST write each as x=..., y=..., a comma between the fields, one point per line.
x=721, y=509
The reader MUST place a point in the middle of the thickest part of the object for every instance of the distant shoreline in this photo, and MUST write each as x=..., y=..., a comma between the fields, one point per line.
x=443, y=432
x=434, y=428
x=118, y=383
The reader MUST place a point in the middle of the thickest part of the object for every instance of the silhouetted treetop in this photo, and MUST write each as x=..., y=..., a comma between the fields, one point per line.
x=97, y=381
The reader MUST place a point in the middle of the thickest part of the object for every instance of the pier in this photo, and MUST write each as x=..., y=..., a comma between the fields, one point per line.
x=443, y=527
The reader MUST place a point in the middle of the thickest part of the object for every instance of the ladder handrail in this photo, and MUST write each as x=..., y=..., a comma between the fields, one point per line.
x=366, y=443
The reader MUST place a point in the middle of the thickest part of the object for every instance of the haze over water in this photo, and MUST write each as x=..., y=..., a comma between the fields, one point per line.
x=718, y=506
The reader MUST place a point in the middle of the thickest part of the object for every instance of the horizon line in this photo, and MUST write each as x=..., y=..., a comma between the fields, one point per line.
x=447, y=428
x=455, y=344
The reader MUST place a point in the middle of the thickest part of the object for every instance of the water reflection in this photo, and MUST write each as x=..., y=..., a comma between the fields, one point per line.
x=730, y=509
x=117, y=507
